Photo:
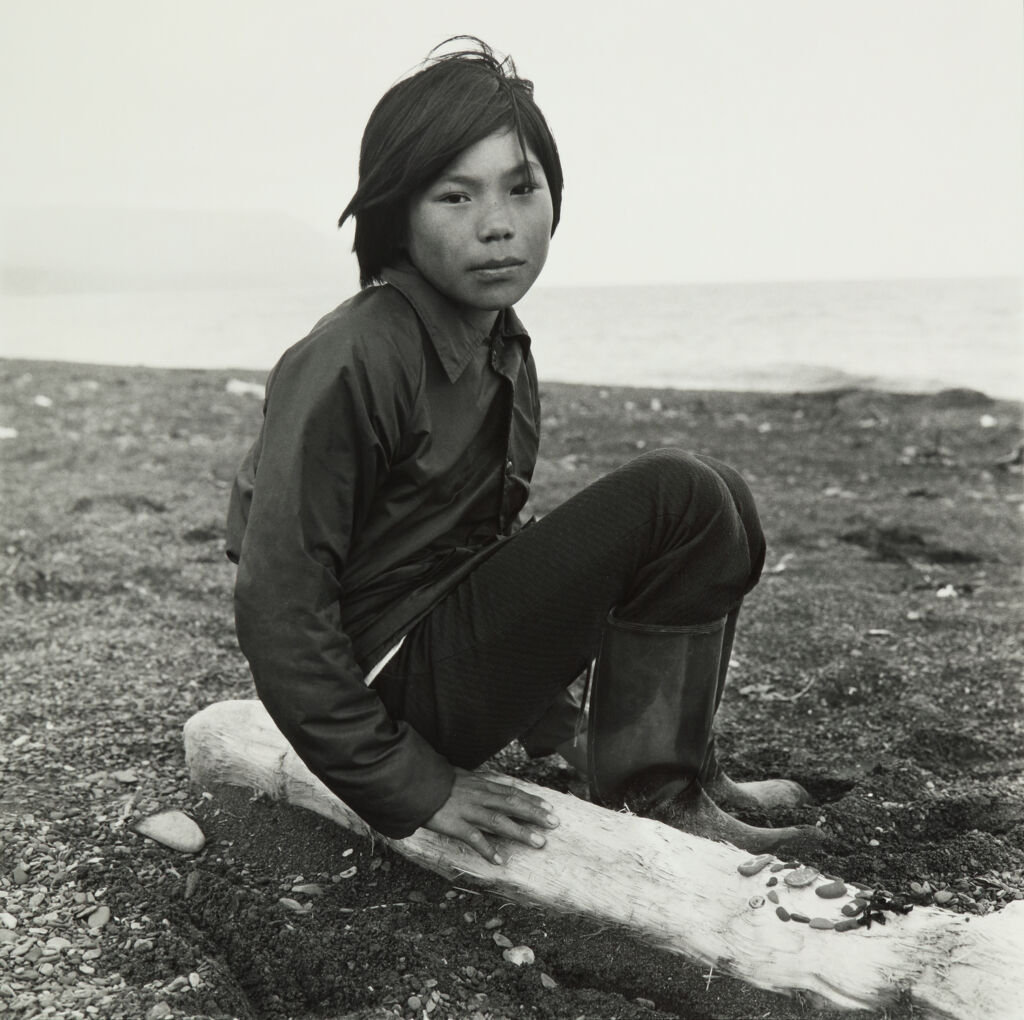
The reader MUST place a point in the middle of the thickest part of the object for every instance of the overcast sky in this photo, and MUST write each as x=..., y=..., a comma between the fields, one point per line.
x=701, y=139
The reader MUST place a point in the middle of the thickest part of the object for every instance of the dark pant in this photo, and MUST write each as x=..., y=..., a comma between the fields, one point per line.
x=669, y=538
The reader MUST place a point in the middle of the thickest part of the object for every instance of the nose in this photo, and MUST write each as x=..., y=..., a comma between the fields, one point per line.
x=496, y=222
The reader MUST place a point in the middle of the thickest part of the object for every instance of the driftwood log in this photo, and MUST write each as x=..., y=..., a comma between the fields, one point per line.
x=671, y=890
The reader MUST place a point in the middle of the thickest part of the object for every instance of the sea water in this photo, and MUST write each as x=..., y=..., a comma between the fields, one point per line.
x=901, y=335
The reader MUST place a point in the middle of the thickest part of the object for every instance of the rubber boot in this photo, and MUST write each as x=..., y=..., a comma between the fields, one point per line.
x=651, y=712
x=757, y=795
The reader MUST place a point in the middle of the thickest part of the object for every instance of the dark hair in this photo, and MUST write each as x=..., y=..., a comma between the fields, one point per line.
x=423, y=123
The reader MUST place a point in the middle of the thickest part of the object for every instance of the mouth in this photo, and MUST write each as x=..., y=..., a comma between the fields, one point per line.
x=497, y=269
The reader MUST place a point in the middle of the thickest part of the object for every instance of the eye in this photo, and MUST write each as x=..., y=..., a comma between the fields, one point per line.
x=525, y=188
x=453, y=198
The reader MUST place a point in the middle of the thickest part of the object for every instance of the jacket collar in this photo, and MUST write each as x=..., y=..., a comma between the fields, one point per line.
x=454, y=339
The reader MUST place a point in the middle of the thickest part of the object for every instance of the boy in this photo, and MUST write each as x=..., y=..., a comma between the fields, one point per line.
x=400, y=625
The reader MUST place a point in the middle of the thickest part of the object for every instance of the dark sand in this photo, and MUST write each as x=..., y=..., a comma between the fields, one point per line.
x=879, y=663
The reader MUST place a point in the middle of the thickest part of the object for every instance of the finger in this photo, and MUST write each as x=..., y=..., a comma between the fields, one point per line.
x=493, y=820
x=480, y=843
x=522, y=806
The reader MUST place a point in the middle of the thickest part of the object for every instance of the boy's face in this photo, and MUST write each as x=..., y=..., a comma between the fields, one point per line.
x=480, y=232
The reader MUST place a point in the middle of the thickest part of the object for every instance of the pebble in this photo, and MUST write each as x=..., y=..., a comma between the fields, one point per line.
x=756, y=901
x=548, y=981
x=502, y=940
x=519, y=955
x=125, y=776
x=8, y=920
x=854, y=908
x=493, y=922
x=773, y=896
x=191, y=883
x=774, y=880
x=7, y=936
x=943, y=896
x=802, y=918
x=801, y=877
x=777, y=867
x=831, y=890
x=173, y=829
x=782, y=913
x=822, y=923
x=19, y=875
x=414, y=1002
x=294, y=905
x=308, y=889
x=159, y=1010
x=848, y=925
x=754, y=865
x=99, y=917
x=58, y=943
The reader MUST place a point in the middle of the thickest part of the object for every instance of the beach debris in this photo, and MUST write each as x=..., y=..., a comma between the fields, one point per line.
x=99, y=917
x=831, y=890
x=784, y=561
x=801, y=877
x=755, y=902
x=947, y=591
x=754, y=865
x=241, y=388
x=8, y=433
x=173, y=829
x=519, y=955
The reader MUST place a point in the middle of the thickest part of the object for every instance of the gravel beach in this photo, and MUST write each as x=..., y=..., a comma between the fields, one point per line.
x=879, y=663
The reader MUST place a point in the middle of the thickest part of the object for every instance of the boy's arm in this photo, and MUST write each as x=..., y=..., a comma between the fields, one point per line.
x=326, y=438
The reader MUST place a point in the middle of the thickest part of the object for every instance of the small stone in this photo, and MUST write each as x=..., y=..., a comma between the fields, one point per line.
x=414, y=1003
x=774, y=880
x=8, y=937
x=308, y=889
x=46, y=969
x=801, y=877
x=293, y=905
x=502, y=940
x=494, y=922
x=802, y=918
x=173, y=829
x=8, y=920
x=773, y=896
x=158, y=1010
x=194, y=979
x=99, y=917
x=831, y=890
x=755, y=902
x=854, y=908
x=415, y=896
x=646, y=1003
x=19, y=875
x=519, y=955
x=124, y=776
x=822, y=923
x=58, y=943
x=191, y=884
x=347, y=873
x=848, y=925
x=782, y=913
x=548, y=981
x=943, y=896
x=777, y=867
x=754, y=865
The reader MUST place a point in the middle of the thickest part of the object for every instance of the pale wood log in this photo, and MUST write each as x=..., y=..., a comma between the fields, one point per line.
x=668, y=889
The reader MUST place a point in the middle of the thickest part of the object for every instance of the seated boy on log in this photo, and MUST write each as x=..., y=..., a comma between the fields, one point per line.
x=400, y=623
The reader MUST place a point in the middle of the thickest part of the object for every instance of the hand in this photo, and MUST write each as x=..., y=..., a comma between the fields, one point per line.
x=478, y=805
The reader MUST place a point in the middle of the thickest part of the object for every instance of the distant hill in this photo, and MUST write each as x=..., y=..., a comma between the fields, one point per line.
x=75, y=250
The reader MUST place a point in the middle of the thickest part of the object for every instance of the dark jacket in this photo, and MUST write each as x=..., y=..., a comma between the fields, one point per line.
x=396, y=450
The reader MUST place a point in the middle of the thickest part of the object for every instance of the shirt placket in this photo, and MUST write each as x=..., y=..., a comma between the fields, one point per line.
x=503, y=362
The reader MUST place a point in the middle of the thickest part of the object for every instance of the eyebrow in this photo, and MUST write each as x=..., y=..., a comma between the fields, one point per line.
x=527, y=166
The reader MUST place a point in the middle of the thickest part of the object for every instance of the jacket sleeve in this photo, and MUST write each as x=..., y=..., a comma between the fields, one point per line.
x=327, y=436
